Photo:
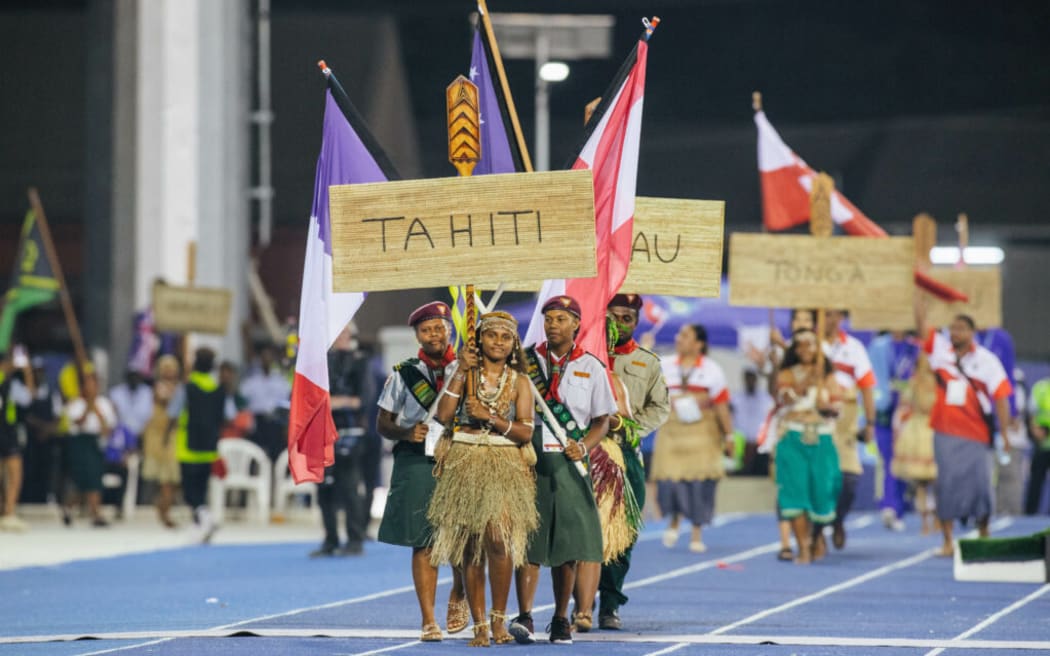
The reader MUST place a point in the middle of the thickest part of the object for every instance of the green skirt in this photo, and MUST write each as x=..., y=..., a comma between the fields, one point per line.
x=411, y=486
x=569, y=527
x=808, y=476
x=85, y=462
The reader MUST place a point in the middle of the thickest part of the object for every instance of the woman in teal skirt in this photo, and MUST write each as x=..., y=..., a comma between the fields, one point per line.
x=807, y=470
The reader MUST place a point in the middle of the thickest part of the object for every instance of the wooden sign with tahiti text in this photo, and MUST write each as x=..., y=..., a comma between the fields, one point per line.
x=826, y=272
x=676, y=249
x=982, y=286
x=449, y=231
x=191, y=309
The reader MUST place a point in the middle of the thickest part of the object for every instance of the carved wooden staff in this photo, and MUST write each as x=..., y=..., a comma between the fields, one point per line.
x=464, y=151
x=820, y=225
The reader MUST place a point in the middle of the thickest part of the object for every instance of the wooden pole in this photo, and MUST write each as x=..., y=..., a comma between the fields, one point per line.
x=80, y=353
x=191, y=278
x=821, y=225
x=962, y=226
x=490, y=36
x=756, y=106
x=464, y=151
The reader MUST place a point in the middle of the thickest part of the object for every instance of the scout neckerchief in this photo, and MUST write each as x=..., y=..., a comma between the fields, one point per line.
x=419, y=384
x=624, y=349
x=544, y=386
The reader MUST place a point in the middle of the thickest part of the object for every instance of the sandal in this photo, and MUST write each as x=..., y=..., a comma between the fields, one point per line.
x=581, y=622
x=497, y=616
x=481, y=636
x=431, y=633
x=458, y=616
x=786, y=555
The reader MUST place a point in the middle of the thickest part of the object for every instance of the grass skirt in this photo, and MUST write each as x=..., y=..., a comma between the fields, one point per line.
x=617, y=507
x=484, y=492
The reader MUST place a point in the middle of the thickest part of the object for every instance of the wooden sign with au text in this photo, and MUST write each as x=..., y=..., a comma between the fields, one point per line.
x=826, y=272
x=983, y=287
x=676, y=249
x=191, y=309
x=450, y=231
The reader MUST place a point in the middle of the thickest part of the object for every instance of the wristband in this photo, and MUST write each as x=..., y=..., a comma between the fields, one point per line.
x=452, y=394
x=510, y=424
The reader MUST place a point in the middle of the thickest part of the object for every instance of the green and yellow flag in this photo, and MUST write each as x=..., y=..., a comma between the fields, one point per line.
x=33, y=282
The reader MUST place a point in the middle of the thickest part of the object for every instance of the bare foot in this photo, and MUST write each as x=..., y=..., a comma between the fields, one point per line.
x=804, y=556
x=819, y=547
x=946, y=551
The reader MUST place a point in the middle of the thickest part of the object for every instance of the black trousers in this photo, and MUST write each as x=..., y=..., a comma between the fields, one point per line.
x=1036, y=478
x=346, y=486
x=195, y=478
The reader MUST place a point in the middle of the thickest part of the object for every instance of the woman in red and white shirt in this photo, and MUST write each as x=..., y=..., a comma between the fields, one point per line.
x=687, y=456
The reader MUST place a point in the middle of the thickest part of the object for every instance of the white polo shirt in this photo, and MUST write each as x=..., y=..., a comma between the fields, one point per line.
x=397, y=399
x=584, y=389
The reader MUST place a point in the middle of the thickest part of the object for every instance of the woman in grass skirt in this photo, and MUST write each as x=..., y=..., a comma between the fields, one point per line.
x=484, y=506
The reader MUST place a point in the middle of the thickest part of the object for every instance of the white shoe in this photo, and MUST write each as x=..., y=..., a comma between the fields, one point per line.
x=888, y=517
x=13, y=523
x=697, y=546
x=670, y=537
x=897, y=525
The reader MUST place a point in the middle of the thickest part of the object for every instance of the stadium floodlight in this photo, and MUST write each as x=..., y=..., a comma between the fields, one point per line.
x=975, y=255
x=554, y=71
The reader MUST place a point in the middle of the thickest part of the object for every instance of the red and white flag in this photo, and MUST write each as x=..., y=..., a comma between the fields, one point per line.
x=611, y=153
x=349, y=154
x=786, y=183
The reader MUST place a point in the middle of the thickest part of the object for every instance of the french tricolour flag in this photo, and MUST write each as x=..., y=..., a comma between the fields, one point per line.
x=349, y=154
x=786, y=183
x=610, y=151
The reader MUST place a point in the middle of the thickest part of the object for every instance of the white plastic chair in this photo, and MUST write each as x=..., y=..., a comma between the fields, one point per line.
x=239, y=455
x=285, y=486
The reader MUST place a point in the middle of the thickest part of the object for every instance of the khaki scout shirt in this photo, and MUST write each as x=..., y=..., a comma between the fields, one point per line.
x=640, y=372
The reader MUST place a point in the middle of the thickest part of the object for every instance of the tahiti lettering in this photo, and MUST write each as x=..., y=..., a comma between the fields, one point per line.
x=460, y=225
x=792, y=272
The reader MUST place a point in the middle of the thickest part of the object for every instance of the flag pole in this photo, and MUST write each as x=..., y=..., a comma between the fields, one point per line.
x=756, y=105
x=490, y=36
x=80, y=353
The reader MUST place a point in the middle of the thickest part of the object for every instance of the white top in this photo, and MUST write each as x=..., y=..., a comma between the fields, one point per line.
x=92, y=425
x=397, y=399
x=850, y=361
x=585, y=390
x=266, y=392
x=134, y=408
x=703, y=375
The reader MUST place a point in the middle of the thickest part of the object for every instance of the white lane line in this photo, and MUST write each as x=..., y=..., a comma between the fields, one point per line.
x=297, y=611
x=838, y=587
x=719, y=521
x=386, y=649
x=135, y=646
x=992, y=619
x=334, y=604
x=676, y=641
x=668, y=650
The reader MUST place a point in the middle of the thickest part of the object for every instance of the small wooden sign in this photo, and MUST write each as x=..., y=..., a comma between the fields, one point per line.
x=824, y=272
x=983, y=287
x=191, y=309
x=450, y=231
x=676, y=249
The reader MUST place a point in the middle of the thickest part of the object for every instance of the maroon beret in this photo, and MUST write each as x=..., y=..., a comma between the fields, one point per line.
x=566, y=303
x=435, y=310
x=632, y=301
